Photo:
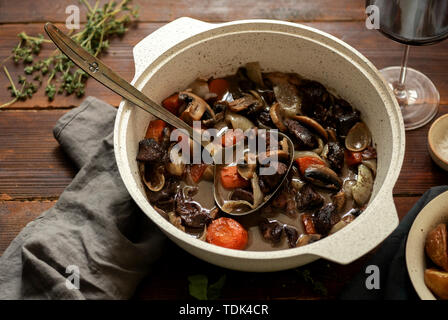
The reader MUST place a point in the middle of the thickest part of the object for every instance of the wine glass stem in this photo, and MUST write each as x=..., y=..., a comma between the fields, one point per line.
x=399, y=89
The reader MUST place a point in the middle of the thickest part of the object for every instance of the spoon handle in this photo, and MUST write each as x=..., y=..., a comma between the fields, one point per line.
x=99, y=71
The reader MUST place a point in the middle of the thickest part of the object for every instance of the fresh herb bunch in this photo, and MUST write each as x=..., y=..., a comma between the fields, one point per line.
x=63, y=77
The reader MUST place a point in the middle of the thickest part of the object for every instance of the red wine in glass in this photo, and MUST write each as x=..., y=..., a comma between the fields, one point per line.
x=417, y=23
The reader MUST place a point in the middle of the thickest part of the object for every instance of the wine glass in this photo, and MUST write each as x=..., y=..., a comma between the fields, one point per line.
x=412, y=22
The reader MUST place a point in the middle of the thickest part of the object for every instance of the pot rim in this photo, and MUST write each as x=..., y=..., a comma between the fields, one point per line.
x=260, y=25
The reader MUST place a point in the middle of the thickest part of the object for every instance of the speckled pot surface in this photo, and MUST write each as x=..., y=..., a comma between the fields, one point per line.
x=173, y=56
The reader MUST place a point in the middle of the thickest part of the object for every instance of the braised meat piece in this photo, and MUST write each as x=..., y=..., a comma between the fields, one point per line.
x=271, y=230
x=150, y=150
x=191, y=212
x=335, y=156
x=271, y=182
x=165, y=197
x=265, y=118
x=292, y=235
x=308, y=199
x=302, y=135
x=346, y=121
x=325, y=218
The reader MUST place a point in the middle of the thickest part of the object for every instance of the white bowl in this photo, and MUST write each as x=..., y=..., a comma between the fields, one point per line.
x=173, y=56
x=434, y=213
x=437, y=139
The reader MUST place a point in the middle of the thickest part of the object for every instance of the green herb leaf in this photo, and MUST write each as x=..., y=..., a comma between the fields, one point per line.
x=214, y=290
x=199, y=288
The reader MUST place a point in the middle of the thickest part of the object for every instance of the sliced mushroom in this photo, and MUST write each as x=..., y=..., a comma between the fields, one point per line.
x=371, y=164
x=203, y=236
x=342, y=223
x=284, y=145
x=196, y=107
x=156, y=176
x=305, y=239
x=247, y=169
x=339, y=200
x=238, y=121
x=253, y=70
x=277, y=117
x=347, y=188
x=320, y=146
x=362, y=190
x=177, y=167
x=176, y=221
x=332, y=137
x=358, y=138
x=286, y=94
x=322, y=176
x=200, y=88
x=313, y=125
x=243, y=103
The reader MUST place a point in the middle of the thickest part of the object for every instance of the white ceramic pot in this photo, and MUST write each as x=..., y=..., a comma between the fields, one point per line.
x=176, y=54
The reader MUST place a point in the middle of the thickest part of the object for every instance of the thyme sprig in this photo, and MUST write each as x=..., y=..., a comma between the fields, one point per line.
x=102, y=23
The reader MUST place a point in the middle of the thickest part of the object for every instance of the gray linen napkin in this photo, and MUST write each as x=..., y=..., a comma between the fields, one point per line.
x=94, y=226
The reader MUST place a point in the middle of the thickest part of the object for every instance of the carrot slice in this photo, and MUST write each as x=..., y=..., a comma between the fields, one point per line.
x=305, y=162
x=231, y=137
x=155, y=130
x=227, y=233
x=219, y=87
x=231, y=179
x=172, y=103
x=197, y=170
x=353, y=158
x=308, y=224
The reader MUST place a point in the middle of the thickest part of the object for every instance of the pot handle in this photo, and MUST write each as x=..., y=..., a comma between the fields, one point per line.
x=366, y=232
x=152, y=46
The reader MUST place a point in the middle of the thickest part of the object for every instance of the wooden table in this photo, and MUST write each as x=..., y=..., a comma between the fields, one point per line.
x=34, y=170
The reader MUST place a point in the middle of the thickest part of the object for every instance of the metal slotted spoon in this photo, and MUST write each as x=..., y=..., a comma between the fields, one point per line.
x=103, y=74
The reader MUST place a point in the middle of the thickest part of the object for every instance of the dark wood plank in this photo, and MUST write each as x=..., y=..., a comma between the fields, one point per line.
x=32, y=165
x=222, y=10
x=383, y=52
x=14, y=215
x=419, y=172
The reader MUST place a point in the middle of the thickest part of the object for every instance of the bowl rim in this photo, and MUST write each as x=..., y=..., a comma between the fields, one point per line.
x=363, y=64
x=431, y=141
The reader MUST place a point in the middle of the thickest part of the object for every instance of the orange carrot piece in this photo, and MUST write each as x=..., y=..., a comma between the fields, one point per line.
x=353, y=158
x=197, y=170
x=227, y=233
x=172, y=103
x=231, y=137
x=231, y=179
x=155, y=130
x=219, y=87
x=305, y=162
x=308, y=224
